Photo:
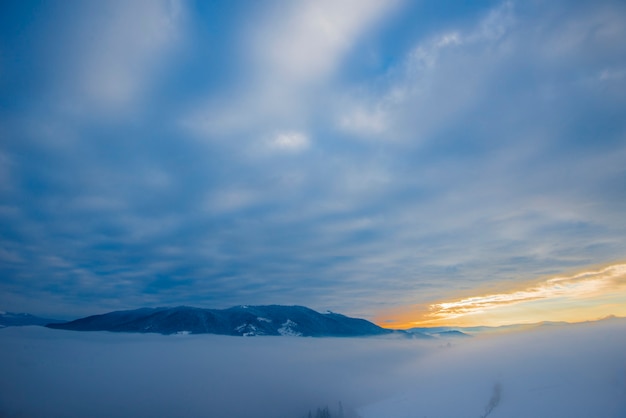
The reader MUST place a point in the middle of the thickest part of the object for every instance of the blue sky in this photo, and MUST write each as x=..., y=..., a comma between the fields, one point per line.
x=357, y=156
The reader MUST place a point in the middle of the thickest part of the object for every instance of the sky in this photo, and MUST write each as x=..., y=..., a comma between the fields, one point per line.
x=408, y=162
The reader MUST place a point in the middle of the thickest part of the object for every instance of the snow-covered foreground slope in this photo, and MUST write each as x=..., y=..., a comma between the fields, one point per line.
x=574, y=371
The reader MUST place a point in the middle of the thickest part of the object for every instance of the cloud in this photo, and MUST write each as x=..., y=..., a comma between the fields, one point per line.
x=6, y=180
x=232, y=200
x=364, y=122
x=581, y=285
x=8, y=256
x=115, y=52
x=307, y=42
x=434, y=81
x=291, y=55
x=593, y=293
x=292, y=141
x=220, y=164
x=611, y=74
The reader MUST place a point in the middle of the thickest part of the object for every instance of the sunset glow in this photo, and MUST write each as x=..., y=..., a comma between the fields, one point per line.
x=587, y=295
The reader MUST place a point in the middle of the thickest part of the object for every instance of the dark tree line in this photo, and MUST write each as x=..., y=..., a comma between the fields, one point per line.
x=325, y=413
x=494, y=401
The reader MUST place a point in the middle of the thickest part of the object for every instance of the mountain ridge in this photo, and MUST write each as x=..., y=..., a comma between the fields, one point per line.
x=12, y=319
x=485, y=329
x=242, y=320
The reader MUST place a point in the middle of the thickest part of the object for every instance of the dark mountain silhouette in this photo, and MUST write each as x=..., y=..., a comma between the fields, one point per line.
x=238, y=320
x=11, y=319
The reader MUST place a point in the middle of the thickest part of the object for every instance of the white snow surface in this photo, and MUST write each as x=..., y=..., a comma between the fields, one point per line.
x=248, y=330
x=288, y=328
x=552, y=372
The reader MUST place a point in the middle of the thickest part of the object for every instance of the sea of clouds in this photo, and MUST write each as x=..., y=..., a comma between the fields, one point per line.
x=552, y=371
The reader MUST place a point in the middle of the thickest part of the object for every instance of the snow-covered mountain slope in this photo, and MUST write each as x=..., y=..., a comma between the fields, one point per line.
x=238, y=320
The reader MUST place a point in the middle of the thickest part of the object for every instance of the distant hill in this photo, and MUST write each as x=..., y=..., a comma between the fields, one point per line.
x=479, y=330
x=452, y=334
x=10, y=319
x=238, y=320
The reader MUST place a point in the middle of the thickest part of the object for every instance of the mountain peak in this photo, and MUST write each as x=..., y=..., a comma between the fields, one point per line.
x=242, y=320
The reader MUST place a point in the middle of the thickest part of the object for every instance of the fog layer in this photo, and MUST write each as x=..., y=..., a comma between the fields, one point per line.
x=574, y=371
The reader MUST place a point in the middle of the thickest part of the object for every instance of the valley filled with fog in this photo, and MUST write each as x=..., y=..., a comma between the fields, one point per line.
x=551, y=371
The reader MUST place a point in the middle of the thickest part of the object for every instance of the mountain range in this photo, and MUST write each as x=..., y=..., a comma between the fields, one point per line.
x=480, y=330
x=239, y=320
x=246, y=320
x=10, y=319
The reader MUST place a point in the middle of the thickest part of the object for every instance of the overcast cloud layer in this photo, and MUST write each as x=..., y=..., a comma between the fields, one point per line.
x=344, y=155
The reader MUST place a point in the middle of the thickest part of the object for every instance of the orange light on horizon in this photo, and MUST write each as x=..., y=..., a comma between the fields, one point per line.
x=587, y=295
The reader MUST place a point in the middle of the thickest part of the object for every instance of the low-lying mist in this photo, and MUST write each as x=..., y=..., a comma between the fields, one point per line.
x=571, y=371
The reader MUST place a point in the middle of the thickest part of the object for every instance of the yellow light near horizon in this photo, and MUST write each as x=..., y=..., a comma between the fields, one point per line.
x=587, y=295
